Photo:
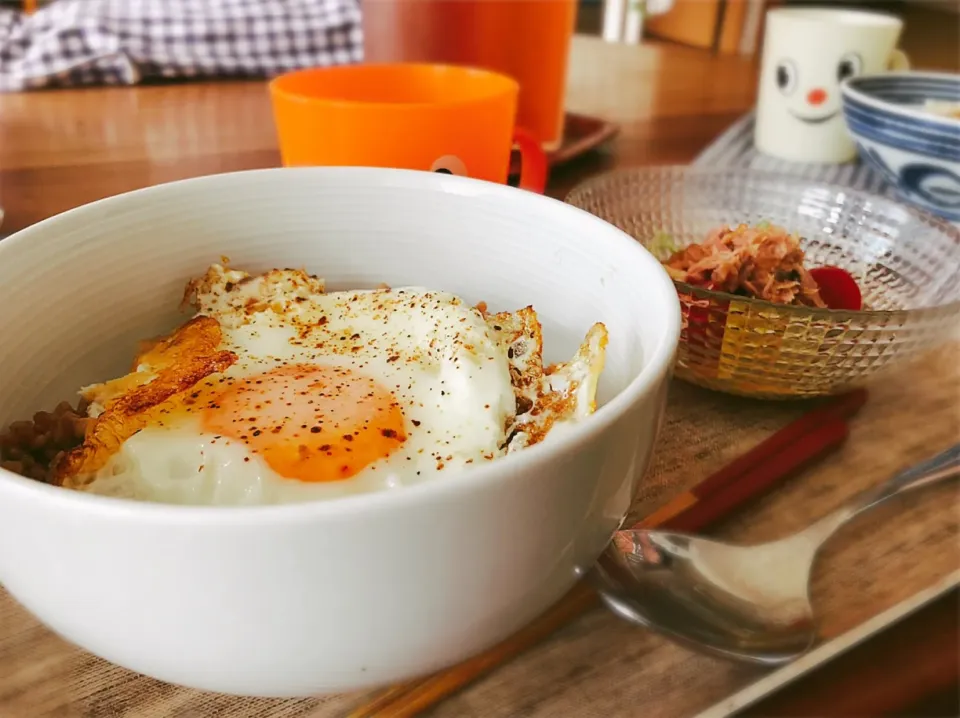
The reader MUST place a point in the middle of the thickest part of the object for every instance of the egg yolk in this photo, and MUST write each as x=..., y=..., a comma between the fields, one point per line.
x=308, y=422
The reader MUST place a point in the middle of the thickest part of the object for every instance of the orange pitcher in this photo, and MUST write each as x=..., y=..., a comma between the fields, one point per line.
x=437, y=118
x=528, y=40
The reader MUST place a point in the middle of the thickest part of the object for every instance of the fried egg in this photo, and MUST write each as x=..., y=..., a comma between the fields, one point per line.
x=277, y=391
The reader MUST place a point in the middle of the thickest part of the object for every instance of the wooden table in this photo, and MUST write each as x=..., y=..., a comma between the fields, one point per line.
x=65, y=148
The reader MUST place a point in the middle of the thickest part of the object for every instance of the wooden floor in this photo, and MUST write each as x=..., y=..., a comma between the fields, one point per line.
x=931, y=37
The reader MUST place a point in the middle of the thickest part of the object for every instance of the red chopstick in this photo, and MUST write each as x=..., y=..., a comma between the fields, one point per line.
x=755, y=481
x=842, y=407
x=754, y=463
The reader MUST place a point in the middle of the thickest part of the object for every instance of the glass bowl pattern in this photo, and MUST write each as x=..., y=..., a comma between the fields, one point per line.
x=906, y=262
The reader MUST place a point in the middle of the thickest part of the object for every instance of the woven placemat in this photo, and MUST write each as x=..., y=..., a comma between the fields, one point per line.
x=600, y=666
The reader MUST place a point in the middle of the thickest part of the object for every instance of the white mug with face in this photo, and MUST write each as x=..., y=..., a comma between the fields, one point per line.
x=807, y=53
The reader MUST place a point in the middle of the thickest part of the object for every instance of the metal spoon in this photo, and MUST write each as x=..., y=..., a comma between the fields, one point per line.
x=745, y=602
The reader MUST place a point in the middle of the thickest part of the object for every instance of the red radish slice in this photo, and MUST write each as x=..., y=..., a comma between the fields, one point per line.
x=838, y=288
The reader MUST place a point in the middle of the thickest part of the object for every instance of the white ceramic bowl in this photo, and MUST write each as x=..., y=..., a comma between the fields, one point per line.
x=329, y=596
x=918, y=152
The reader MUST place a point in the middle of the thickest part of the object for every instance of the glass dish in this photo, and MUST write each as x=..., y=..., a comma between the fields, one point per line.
x=906, y=262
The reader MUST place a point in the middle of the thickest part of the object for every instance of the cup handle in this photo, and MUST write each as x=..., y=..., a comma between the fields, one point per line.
x=898, y=60
x=533, y=161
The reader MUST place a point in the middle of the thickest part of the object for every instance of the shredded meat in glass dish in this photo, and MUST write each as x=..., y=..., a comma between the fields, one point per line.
x=762, y=262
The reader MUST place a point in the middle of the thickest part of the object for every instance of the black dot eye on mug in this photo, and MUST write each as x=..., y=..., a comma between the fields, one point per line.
x=849, y=66
x=449, y=165
x=786, y=76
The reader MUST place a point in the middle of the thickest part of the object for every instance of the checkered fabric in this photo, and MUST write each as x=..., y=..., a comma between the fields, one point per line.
x=96, y=42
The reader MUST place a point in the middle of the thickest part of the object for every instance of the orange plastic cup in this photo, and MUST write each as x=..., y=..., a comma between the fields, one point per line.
x=437, y=118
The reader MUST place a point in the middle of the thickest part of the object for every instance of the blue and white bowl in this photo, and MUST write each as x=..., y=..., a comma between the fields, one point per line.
x=917, y=151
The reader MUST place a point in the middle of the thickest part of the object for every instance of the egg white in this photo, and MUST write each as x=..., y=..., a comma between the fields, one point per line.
x=186, y=466
x=436, y=355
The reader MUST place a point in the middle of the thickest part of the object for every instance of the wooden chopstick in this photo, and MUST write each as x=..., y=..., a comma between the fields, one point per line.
x=811, y=436
x=408, y=699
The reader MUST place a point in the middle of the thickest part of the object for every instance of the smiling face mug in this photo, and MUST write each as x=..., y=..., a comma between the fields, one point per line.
x=807, y=53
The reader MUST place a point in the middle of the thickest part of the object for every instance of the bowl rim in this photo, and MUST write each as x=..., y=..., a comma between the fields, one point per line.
x=939, y=224
x=850, y=88
x=656, y=367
